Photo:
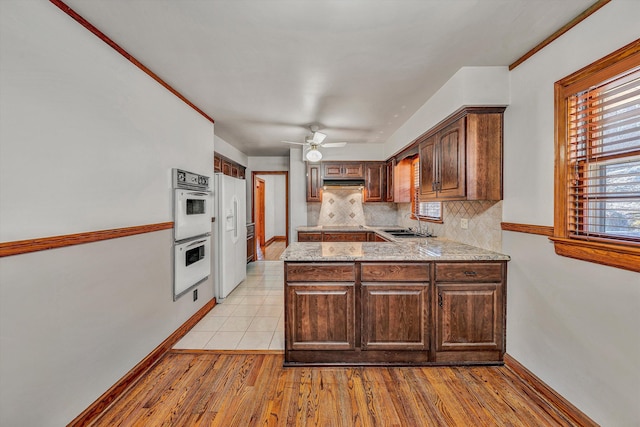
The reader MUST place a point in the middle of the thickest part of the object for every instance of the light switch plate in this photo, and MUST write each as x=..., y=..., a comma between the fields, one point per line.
x=464, y=223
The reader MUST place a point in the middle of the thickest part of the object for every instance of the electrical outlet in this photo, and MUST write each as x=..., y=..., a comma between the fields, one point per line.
x=195, y=294
x=464, y=223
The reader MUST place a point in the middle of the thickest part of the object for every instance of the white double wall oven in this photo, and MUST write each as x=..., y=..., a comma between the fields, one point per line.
x=192, y=212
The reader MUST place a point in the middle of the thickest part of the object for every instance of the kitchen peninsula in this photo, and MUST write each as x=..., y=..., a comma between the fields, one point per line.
x=399, y=301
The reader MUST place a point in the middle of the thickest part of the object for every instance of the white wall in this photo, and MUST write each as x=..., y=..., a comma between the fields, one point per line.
x=230, y=152
x=572, y=323
x=469, y=86
x=297, y=193
x=87, y=142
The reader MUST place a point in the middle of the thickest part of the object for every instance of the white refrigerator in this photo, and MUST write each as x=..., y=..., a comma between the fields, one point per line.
x=230, y=234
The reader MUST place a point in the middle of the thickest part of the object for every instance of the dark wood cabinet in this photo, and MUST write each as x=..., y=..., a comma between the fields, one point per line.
x=408, y=313
x=395, y=306
x=354, y=236
x=390, y=167
x=335, y=236
x=320, y=306
x=462, y=158
x=309, y=236
x=343, y=170
x=374, y=179
x=251, y=242
x=314, y=182
x=228, y=167
x=442, y=164
x=470, y=312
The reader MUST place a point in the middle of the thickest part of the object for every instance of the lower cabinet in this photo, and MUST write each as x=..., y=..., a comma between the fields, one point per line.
x=322, y=317
x=470, y=312
x=403, y=313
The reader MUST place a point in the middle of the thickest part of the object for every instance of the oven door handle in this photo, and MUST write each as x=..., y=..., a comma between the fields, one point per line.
x=194, y=193
x=195, y=243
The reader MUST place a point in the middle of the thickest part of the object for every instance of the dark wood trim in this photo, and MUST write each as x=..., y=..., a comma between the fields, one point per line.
x=286, y=184
x=43, y=243
x=270, y=241
x=116, y=390
x=73, y=14
x=542, y=230
x=613, y=254
x=575, y=21
x=548, y=393
x=279, y=238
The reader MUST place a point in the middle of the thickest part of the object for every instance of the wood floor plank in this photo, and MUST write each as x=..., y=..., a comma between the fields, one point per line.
x=217, y=389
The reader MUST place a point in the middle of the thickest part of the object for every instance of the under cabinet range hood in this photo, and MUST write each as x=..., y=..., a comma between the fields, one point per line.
x=342, y=183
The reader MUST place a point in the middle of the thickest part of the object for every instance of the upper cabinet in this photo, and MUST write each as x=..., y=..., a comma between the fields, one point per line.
x=228, y=167
x=374, y=179
x=314, y=182
x=343, y=170
x=390, y=166
x=462, y=158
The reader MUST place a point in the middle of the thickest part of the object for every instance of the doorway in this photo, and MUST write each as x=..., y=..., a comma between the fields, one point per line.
x=270, y=213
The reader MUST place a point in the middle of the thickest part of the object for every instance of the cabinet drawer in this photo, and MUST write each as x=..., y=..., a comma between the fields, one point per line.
x=358, y=236
x=309, y=237
x=414, y=272
x=468, y=272
x=321, y=272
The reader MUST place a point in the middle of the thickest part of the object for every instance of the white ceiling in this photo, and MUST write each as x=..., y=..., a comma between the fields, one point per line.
x=267, y=69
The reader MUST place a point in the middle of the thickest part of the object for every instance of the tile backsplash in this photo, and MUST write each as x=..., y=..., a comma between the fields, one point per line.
x=484, y=218
x=345, y=207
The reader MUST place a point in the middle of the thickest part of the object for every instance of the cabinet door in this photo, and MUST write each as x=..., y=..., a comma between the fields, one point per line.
x=395, y=316
x=451, y=161
x=353, y=170
x=428, y=165
x=320, y=316
x=217, y=164
x=332, y=170
x=226, y=168
x=314, y=182
x=388, y=184
x=469, y=317
x=374, y=173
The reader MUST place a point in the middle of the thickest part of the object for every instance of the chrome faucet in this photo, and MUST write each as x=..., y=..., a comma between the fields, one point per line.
x=418, y=229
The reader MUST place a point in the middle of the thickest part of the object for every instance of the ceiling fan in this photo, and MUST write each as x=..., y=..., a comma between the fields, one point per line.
x=314, y=142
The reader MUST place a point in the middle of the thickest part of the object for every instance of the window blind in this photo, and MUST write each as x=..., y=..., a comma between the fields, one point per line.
x=604, y=160
x=426, y=210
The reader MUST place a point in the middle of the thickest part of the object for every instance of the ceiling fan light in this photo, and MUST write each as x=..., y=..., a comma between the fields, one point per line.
x=314, y=155
x=318, y=137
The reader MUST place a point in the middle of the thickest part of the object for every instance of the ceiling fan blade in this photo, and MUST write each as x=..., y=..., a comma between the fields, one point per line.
x=296, y=143
x=334, y=144
x=318, y=137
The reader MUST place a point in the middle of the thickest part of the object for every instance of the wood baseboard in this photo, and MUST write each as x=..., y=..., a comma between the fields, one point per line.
x=96, y=408
x=539, y=386
x=279, y=238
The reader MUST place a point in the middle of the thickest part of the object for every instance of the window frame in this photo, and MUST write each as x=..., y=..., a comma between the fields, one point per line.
x=415, y=190
x=611, y=252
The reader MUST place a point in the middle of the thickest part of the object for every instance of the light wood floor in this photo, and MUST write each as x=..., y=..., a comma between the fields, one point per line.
x=188, y=388
x=272, y=252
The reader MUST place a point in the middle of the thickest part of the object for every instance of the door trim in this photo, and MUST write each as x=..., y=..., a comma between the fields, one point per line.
x=286, y=184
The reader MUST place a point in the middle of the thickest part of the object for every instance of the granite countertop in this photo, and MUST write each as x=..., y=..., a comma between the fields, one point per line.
x=405, y=249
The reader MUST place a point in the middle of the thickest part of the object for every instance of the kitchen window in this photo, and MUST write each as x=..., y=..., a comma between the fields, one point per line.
x=424, y=211
x=597, y=203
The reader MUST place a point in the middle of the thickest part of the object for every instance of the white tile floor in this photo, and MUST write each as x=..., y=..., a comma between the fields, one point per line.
x=250, y=318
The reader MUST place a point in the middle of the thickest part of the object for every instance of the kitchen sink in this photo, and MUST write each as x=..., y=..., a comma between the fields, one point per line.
x=407, y=233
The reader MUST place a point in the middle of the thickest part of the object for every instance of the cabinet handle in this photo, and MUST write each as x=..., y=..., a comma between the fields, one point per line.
x=440, y=299
x=470, y=273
